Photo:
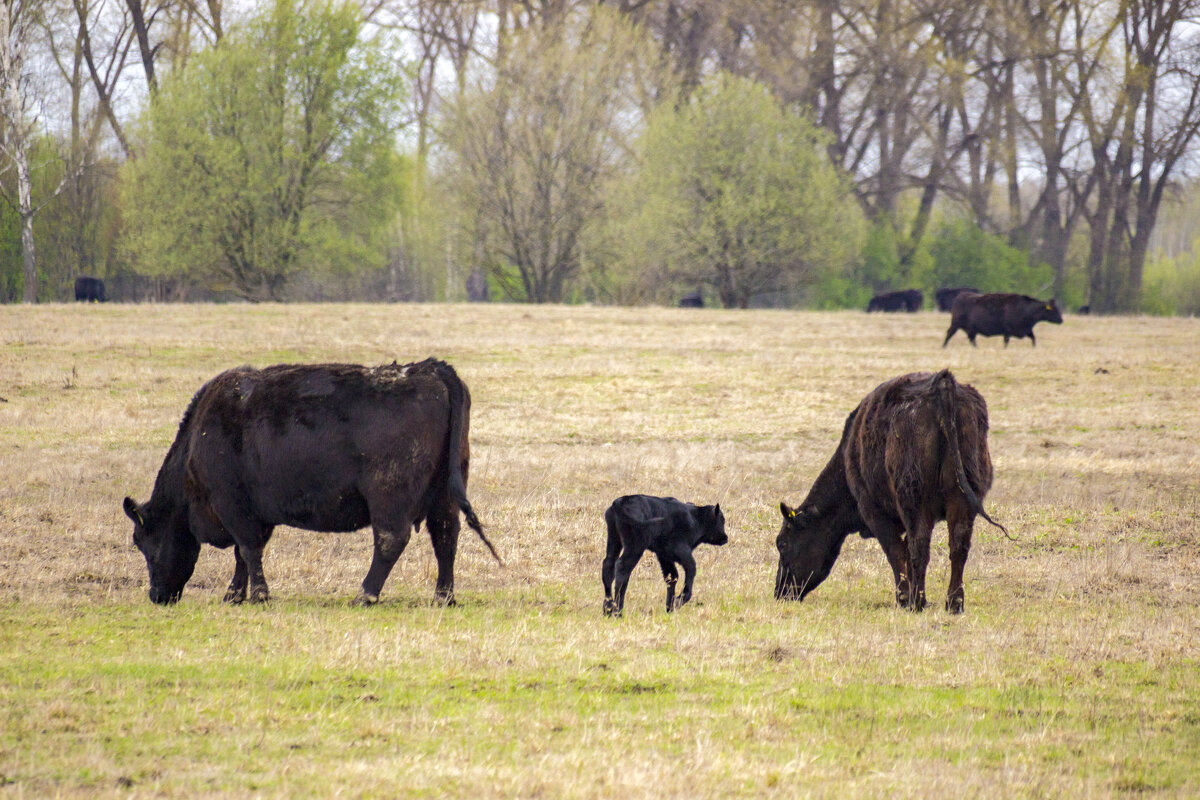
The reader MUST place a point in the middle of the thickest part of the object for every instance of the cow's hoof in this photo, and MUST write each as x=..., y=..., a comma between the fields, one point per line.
x=259, y=596
x=234, y=597
x=364, y=600
x=445, y=600
x=954, y=605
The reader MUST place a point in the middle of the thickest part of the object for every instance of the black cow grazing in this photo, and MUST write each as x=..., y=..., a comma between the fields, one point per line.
x=668, y=528
x=945, y=296
x=329, y=447
x=1085, y=310
x=89, y=290
x=692, y=300
x=1009, y=315
x=907, y=300
x=914, y=452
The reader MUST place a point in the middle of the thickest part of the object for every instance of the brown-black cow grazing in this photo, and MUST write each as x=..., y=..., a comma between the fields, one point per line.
x=906, y=300
x=329, y=447
x=945, y=296
x=1009, y=315
x=913, y=453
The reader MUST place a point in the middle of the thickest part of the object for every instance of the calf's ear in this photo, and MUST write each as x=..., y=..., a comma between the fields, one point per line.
x=132, y=511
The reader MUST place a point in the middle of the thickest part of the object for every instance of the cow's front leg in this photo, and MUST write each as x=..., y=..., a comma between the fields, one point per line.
x=671, y=576
x=683, y=555
x=237, y=587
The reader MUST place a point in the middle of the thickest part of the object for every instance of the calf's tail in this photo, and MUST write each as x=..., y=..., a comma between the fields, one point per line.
x=944, y=389
x=459, y=405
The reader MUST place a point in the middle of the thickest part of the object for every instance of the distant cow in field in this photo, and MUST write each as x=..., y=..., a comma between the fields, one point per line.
x=692, y=300
x=945, y=296
x=89, y=290
x=912, y=453
x=665, y=526
x=331, y=447
x=1009, y=315
x=906, y=300
x=1085, y=310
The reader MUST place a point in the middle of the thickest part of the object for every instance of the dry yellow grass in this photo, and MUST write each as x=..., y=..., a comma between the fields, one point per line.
x=1073, y=670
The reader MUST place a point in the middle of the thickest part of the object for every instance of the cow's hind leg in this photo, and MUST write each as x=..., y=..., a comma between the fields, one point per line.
x=390, y=540
x=671, y=576
x=444, y=527
x=949, y=333
x=611, y=551
x=918, y=532
x=960, y=520
x=237, y=587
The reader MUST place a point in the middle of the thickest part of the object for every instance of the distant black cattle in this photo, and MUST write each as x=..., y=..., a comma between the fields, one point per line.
x=89, y=289
x=945, y=296
x=1009, y=315
x=665, y=526
x=1085, y=310
x=906, y=300
x=692, y=300
x=912, y=453
x=330, y=447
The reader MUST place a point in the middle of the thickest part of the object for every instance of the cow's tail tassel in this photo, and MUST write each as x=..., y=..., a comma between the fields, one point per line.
x=945, y=385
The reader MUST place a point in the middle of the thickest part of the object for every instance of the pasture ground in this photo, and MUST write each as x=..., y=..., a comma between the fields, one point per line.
x=1075, y=671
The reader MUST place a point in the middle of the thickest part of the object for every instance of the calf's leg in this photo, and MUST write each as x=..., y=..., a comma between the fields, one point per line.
x=683, y=555
x=612, y=550
x=628, y=559
x=671, y=576
x=236, y=593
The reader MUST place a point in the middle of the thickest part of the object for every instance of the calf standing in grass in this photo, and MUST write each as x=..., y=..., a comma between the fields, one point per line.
x=665, y=526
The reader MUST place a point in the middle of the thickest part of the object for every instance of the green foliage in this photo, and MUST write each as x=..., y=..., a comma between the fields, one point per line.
x=735, y=192
x=273, y=153
x=530, y=151
x=1172, y=285
x=12, y=280
x=964, y=255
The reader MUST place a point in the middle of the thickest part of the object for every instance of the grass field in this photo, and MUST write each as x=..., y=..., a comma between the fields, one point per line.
x=1075, y=671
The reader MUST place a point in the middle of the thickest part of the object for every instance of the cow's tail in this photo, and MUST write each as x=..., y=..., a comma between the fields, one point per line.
x=947, y=407
x=457, y=486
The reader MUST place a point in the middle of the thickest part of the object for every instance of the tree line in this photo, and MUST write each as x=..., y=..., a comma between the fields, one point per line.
x=767, y=152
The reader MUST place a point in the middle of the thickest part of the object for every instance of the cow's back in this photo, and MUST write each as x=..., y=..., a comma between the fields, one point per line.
x=305, y=445
x=897, y=450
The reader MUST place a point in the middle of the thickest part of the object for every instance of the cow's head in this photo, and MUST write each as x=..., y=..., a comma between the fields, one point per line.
x=808, y=544
x=712, y=525
x=1050, y=313
x=167, y=543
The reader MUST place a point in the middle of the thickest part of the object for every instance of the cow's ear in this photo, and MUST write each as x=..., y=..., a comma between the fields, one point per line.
x=788, y=513
x=132, y=511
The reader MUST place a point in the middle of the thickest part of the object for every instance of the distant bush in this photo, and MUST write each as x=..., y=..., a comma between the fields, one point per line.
x=1171, y=286
x=964, y=255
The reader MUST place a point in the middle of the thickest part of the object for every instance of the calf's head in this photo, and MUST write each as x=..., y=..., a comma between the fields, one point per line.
x=168, y=545
x=808, y=545
x=712, y=525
